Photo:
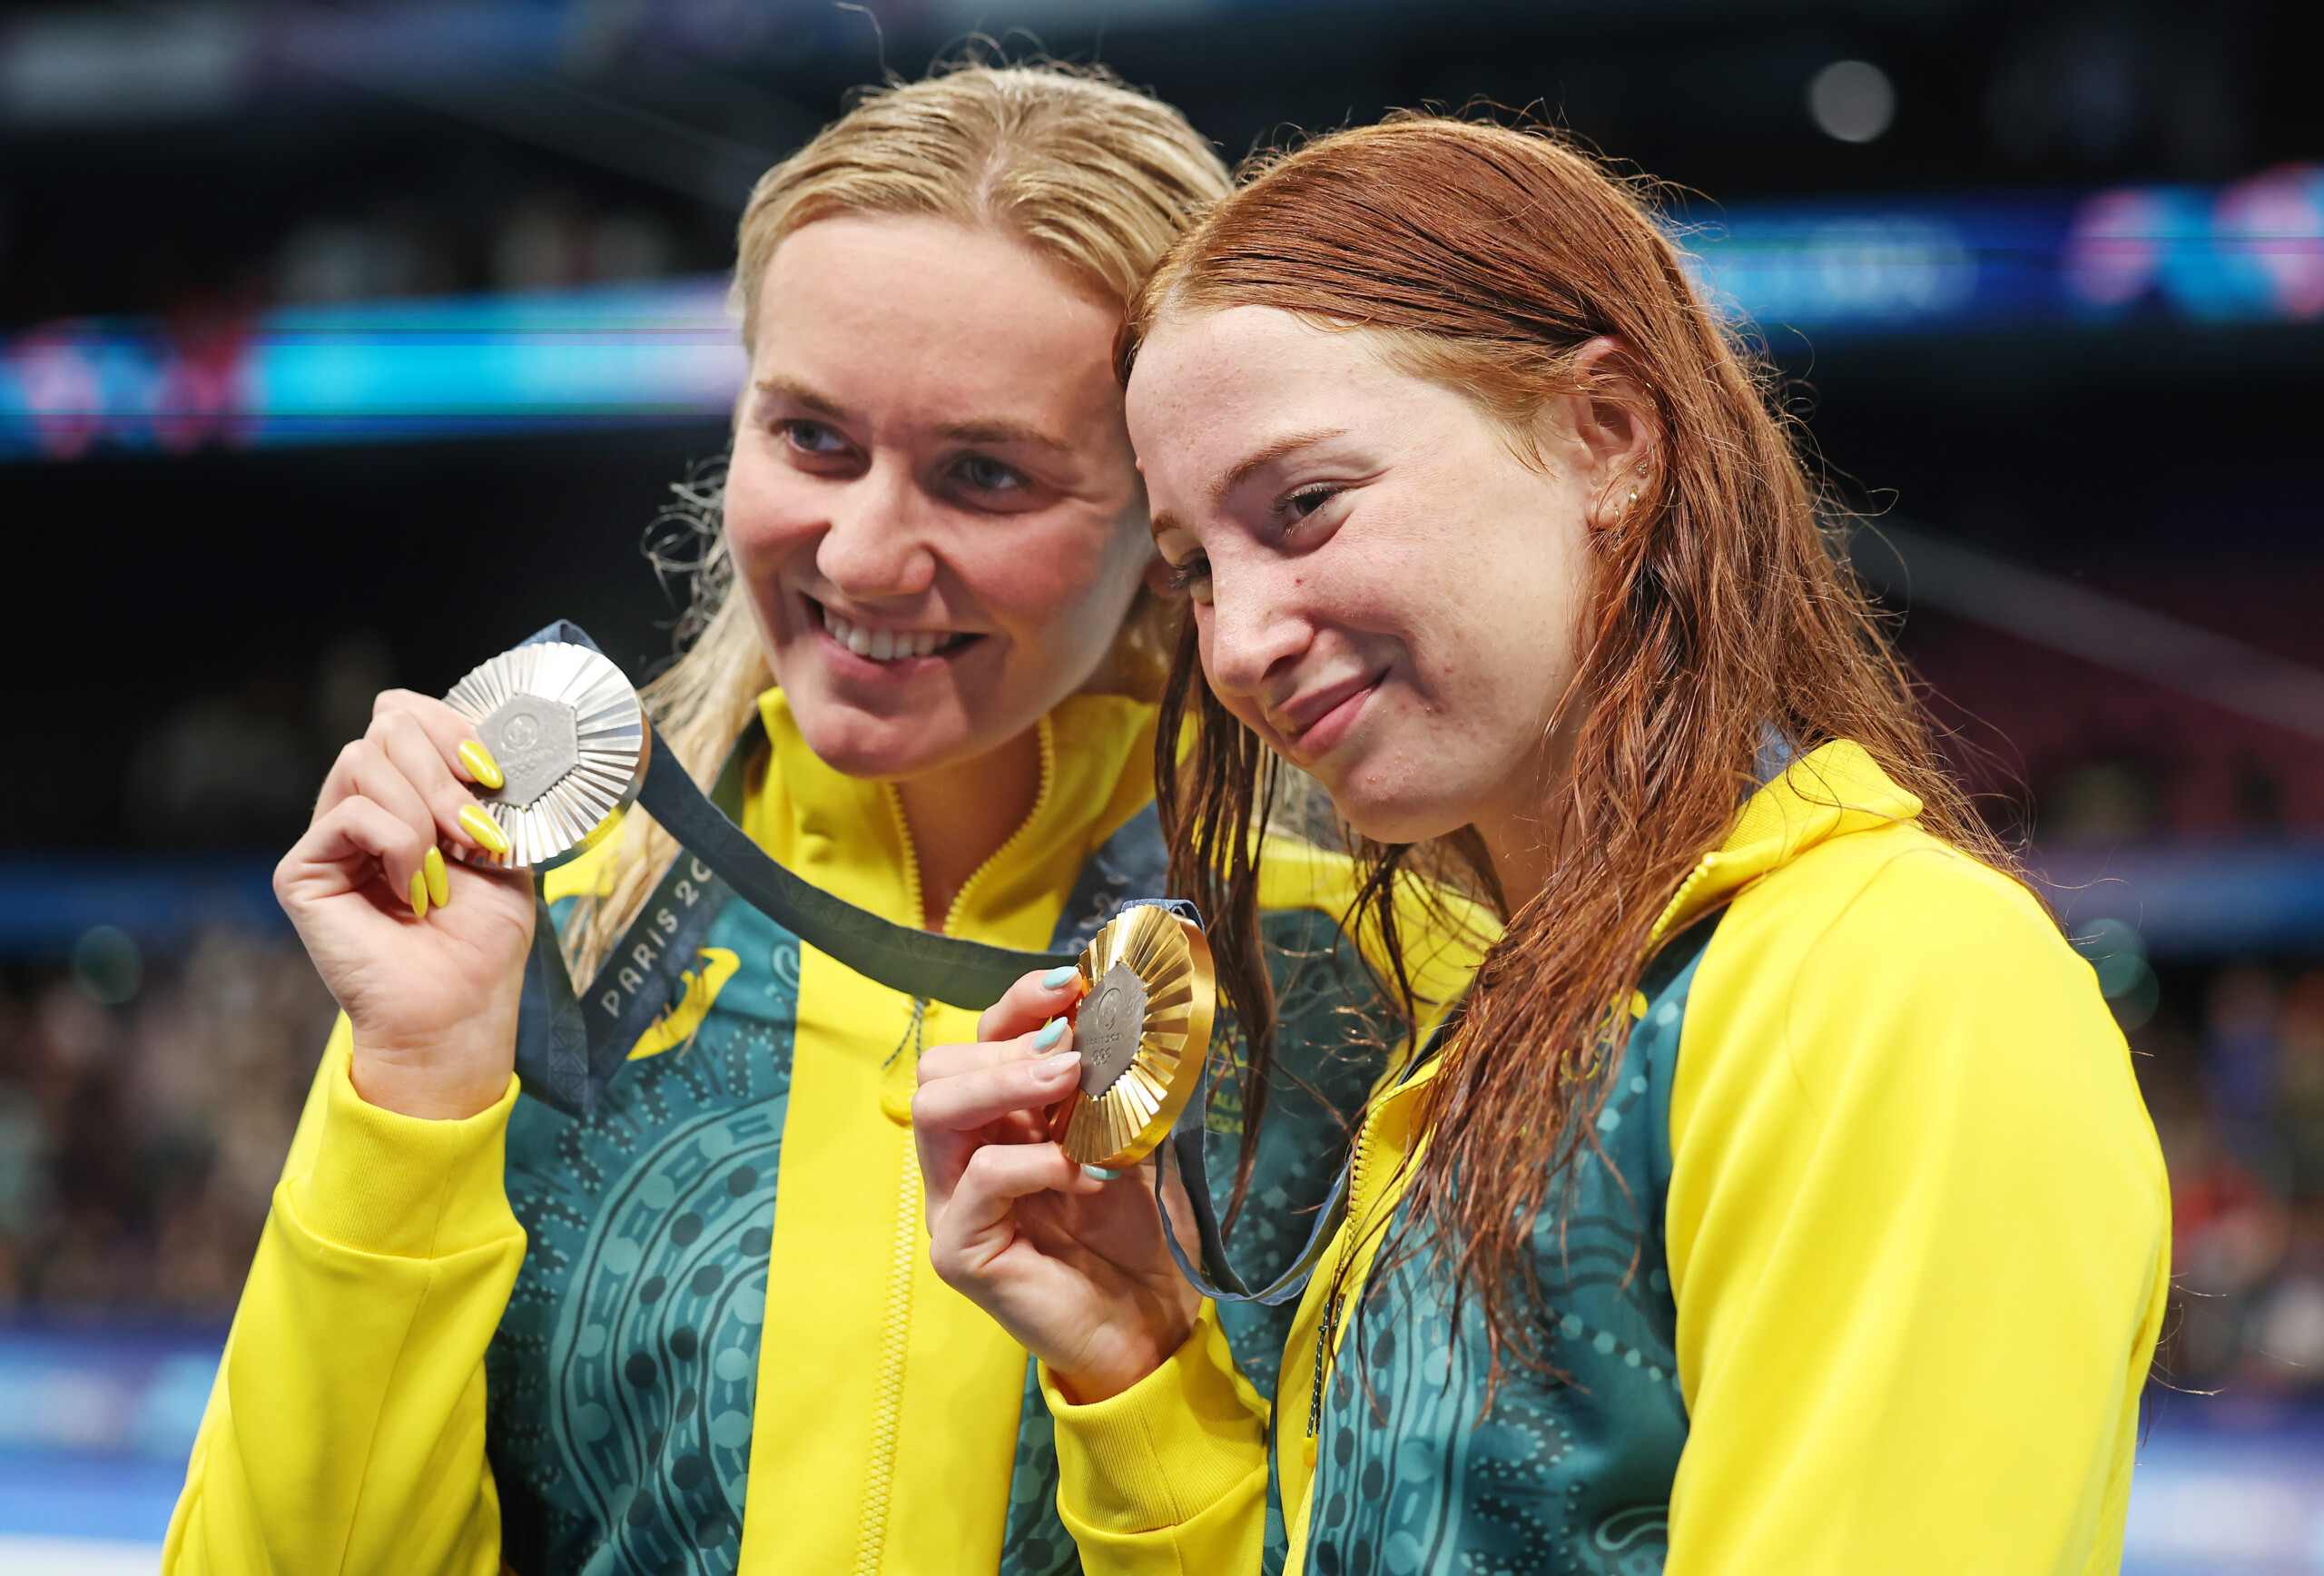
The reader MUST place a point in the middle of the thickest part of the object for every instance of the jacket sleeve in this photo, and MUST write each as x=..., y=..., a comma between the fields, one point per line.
x=1919, y=1237
x=346, y=1430
x=1169, y=1478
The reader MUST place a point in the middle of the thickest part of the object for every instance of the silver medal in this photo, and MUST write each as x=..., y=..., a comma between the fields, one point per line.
x=571, y=739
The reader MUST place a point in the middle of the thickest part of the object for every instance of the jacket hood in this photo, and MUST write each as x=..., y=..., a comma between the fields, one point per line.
x=1832, y=790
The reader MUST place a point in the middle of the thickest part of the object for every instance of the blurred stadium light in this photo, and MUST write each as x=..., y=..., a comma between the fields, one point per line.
x=2251, y=251
x=626, y=354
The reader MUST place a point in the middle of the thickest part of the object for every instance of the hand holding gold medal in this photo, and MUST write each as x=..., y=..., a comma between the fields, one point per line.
x=1143, y=1027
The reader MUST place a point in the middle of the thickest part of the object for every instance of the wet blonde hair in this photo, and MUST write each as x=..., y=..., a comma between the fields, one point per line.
x=1092, y=176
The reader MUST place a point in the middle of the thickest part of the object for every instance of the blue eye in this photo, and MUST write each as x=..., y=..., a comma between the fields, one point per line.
x=989, y=474
x=813, y=437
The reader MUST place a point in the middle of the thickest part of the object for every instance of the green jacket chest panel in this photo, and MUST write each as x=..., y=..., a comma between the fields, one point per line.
x=1415, y=1473
x=623, y=1375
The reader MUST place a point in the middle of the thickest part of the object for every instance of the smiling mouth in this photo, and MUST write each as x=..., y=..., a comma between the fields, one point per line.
x=889, y=644
x=1318, y=723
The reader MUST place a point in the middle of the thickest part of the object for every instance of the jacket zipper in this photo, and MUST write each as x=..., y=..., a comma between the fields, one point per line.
x=895, y=1340
x=1353, y=1229
x=895, y=1336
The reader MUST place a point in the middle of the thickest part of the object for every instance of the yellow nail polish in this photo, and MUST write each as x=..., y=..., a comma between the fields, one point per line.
x=478, y=826
x=439, y=880
x=419, y=895
x=480, y=763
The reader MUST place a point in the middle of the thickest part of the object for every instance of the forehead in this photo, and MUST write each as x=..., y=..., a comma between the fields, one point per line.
x=859, y=301
x=1238, y=351
x=1209, y=388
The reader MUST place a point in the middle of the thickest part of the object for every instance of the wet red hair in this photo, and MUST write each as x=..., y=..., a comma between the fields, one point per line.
x=1720, y=616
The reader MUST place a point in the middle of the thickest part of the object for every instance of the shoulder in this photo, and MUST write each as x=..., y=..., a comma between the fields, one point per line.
x=1897, y=906
x=1888, y=982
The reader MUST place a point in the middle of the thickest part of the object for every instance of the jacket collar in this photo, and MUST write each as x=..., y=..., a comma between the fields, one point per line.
x=849, y=835
x=1832, y=790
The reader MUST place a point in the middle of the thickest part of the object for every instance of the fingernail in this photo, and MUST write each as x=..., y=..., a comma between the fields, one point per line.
x=419, y=896
x=439, y=880
x=1063, y=1061
x=1059, y=978
x=478, y=826
x=1100, y=1174
x=1051, y=1033
x=480, y=763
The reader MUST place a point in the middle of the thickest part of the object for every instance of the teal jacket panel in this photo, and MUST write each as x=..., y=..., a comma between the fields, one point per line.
x=1417, y=1474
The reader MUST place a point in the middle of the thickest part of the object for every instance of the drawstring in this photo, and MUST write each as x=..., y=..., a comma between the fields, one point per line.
x=912, y=1034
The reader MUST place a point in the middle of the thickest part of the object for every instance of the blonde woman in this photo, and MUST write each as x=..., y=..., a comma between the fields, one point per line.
x=696, y=1328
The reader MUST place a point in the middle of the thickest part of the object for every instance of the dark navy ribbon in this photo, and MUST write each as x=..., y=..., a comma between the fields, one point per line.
x=570, y=1045
x=1216, y=1276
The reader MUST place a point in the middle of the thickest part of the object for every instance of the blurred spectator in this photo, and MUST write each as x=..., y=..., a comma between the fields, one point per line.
x=547, y=242
x=140, y=1144
x=242, y=766
x=396, y=253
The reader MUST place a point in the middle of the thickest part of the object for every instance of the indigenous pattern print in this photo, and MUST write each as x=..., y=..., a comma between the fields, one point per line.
x=624, y=1372
x=1416, y=1476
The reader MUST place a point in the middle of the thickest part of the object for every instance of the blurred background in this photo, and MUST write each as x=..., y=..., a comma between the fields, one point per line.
x=343, y=344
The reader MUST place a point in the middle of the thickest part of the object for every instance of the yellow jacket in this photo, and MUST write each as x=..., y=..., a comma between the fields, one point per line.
x=1901, y=1261
x=379, y=1371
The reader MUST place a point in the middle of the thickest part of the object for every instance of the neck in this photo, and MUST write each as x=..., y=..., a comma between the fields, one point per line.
x=959, y=816
x=1524, y=826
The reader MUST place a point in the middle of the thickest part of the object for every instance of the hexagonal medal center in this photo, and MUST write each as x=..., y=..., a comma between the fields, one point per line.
x=537, y=742
x=1110, y=1024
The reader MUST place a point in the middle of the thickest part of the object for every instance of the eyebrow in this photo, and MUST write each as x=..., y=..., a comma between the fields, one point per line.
x=1290, y=443
x=999, y=431
x=800, y=394
x=996, y=430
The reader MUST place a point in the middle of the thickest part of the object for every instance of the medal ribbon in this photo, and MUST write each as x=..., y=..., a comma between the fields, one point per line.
x=569, y=1046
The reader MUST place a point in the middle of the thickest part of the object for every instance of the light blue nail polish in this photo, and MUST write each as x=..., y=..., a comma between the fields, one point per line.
x=1099, y=1173
x=1051, y=1033
x=1058, y=978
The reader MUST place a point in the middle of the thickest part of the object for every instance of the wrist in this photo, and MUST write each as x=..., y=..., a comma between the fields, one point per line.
x=432, y=1089
x=1103, y=1374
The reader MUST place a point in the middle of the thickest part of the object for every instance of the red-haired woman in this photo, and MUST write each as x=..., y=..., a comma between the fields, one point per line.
x=1783, y=1201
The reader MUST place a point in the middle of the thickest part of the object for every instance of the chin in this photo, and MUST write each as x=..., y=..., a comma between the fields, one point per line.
x=1391, y=817
x=875, y=746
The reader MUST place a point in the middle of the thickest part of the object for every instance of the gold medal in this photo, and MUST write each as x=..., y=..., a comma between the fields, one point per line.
x=1143, y=1028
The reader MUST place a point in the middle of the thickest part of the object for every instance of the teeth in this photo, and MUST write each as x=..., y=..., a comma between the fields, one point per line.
x=884, y=644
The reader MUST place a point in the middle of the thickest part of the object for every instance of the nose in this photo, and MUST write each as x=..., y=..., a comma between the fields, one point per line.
x=1256, y=633
x=876, y=545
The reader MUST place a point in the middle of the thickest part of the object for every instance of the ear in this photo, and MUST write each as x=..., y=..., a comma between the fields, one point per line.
x=1615, y=425
x=1616, y=421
